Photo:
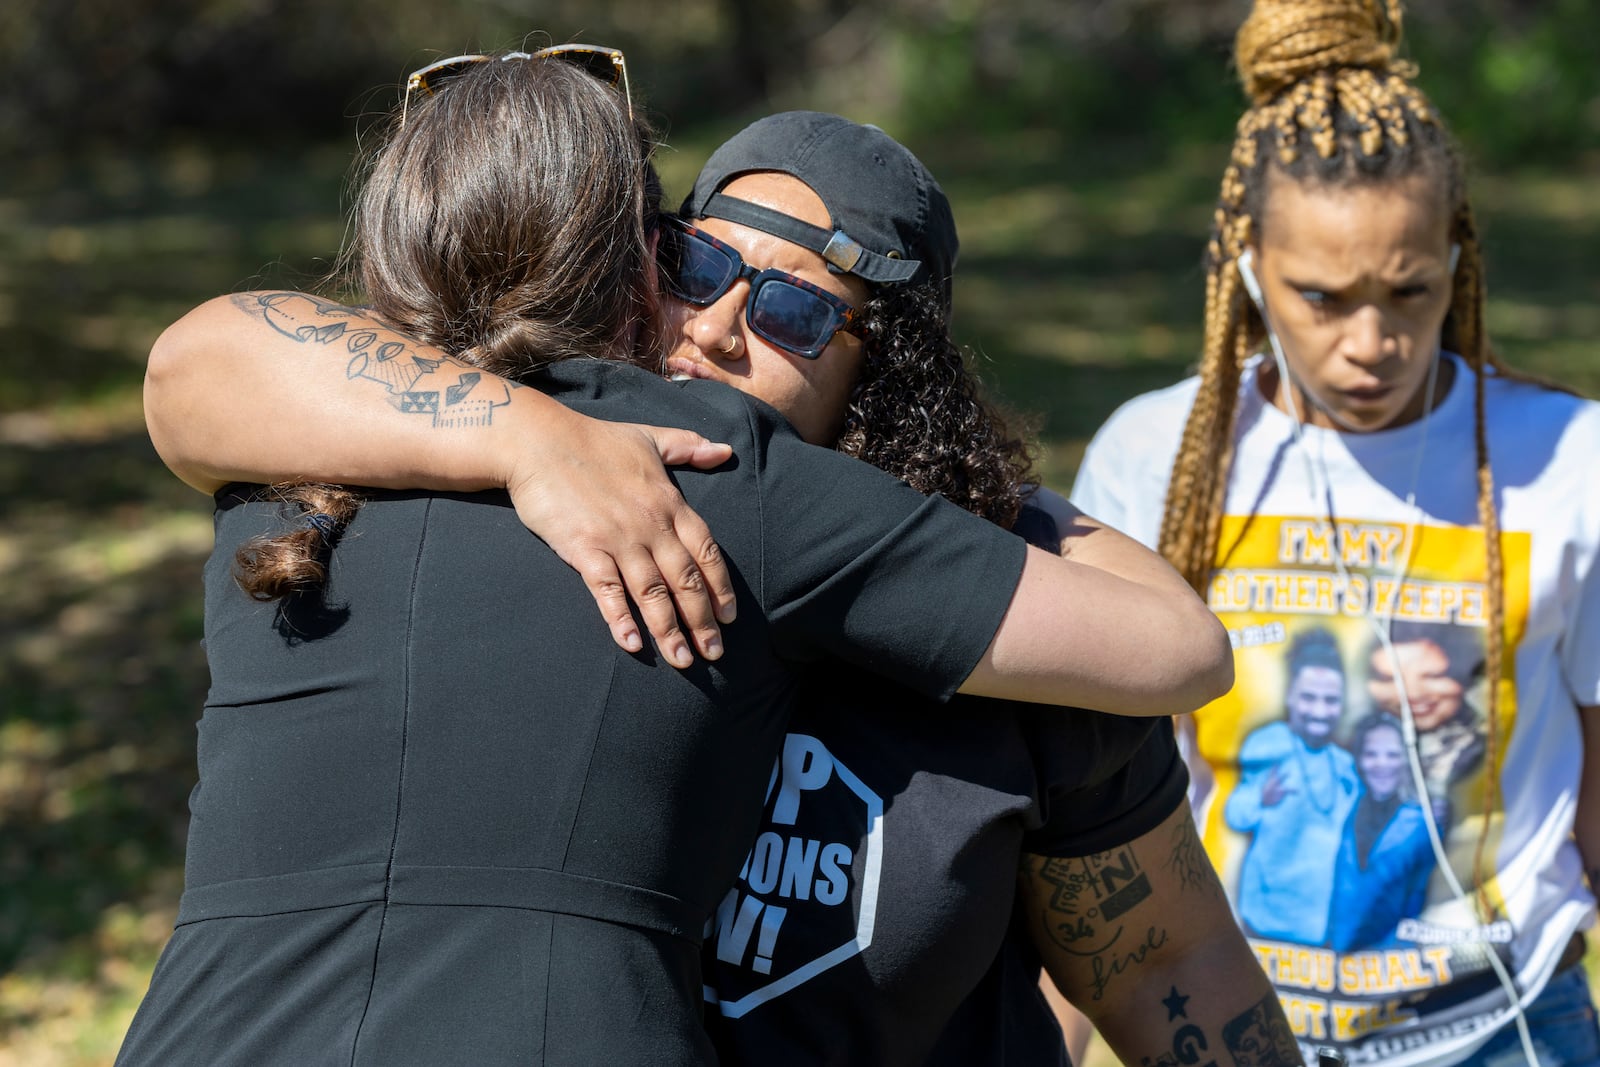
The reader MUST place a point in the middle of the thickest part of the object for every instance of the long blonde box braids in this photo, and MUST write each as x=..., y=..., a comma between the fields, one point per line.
x=1331, y=103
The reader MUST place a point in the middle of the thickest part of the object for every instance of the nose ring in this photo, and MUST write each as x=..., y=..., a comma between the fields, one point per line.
x=732, y=343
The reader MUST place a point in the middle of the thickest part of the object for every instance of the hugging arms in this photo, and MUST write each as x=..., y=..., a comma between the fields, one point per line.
x=257, y=387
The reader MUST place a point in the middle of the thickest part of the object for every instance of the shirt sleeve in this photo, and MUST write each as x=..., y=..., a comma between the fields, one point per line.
x=1095, y=488
x=857, y=565
x=1107, y=780
x=1122, y=481
x=1581, y=645
x=1580, y=637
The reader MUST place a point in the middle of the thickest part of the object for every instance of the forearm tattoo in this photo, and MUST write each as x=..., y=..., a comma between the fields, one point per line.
x=1188, y=863
x=450, y=393
x=1087, y=914
x=1260, y=1037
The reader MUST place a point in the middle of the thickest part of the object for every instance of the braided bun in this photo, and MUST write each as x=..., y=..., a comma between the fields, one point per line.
x=1332, y=106
x=1285, y=41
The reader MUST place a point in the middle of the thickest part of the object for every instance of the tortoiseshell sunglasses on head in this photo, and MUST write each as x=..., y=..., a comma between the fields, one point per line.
x=604, y=63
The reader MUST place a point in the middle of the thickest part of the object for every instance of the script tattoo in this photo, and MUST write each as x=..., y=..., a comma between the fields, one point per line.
x=1261, y=1036
x=1088, y=913
x=416, y=384
x=1114, y=963
x=1190, y=867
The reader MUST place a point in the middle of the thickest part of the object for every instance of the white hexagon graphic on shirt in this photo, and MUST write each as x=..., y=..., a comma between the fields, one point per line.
x=798, y=880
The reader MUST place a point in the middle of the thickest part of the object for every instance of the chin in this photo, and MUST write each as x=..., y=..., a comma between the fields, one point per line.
x=1364, y=421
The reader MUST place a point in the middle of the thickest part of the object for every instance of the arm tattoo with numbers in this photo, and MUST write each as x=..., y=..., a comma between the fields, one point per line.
x=1088, y=913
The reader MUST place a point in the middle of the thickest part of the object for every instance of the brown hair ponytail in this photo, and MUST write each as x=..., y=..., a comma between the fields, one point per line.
x=270, y=568
x=507, y=220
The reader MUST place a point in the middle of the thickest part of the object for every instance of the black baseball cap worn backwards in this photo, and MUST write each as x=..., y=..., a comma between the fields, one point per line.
x=892, y=224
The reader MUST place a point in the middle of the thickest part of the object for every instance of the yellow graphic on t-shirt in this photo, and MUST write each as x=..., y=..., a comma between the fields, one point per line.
x=1319, y=822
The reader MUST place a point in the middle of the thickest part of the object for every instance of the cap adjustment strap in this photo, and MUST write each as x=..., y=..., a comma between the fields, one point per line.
x=842, y=252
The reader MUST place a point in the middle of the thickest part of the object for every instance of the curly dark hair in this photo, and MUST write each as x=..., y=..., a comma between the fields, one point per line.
x=918, y=412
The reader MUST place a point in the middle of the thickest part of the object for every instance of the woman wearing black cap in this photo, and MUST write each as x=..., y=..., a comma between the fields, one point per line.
x=904, y=958
x=903, y=842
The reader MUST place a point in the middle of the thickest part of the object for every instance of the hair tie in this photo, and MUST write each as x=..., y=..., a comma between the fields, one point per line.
x=323, y=523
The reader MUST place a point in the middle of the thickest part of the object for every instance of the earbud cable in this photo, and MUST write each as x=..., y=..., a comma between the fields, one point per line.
x=1322, y=491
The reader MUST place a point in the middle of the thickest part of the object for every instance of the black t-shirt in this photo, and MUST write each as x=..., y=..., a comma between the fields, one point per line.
x=441, y=817
x=869, y=922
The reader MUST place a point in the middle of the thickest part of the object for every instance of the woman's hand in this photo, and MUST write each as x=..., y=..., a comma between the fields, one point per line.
x=605, y=504
x=280, y=387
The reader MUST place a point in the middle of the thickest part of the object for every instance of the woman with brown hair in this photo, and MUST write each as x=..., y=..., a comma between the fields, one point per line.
x=1384, y=856
x=1352, y=451
x=442, y=818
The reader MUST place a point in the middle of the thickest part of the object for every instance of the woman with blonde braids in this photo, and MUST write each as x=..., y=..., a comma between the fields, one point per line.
x=1353, y=455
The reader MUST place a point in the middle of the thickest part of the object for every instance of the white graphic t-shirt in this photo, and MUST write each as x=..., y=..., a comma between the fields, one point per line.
x=1324, y=821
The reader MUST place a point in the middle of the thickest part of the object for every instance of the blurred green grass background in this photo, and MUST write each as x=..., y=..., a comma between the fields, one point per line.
x=1080, y=142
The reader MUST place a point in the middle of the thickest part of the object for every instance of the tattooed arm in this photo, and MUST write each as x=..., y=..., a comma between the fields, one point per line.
x=1141, y=939
x=273, y=387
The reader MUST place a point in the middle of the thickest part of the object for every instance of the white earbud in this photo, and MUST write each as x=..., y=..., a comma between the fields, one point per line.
x=1455, y=257
x=1247, y=274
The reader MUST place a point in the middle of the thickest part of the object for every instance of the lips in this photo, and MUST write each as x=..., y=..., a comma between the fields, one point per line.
x=1369, y=394
x=679, y=369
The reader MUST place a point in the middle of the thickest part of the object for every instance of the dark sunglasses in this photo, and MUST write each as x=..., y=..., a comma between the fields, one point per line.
x=789, y=312
x=604, y=63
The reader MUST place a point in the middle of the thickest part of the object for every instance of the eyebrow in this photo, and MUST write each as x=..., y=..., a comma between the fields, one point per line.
x=1411, y=276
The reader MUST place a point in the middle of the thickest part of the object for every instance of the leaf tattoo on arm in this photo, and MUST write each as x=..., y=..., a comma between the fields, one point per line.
x=379, y=354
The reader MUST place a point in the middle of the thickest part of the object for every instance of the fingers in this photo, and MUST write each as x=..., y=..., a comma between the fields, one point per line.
x=679, y=577
x=654, y=598
x=710, y=454
x=707, y=572
x=599, y=573
x=685, y=448
x=702, y=575
x=673, y=587
x=635, y=578
x=600, y=497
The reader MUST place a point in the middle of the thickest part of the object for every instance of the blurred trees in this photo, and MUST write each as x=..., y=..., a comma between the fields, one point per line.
x=1513, y=75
